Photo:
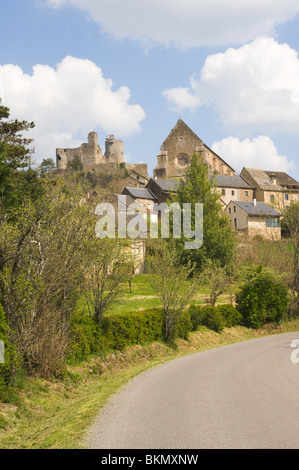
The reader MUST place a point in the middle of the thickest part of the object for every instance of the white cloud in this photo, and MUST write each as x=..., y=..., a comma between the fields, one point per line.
x=255, y=87
x=188, y=23
x=259, y=152
x=67, y=103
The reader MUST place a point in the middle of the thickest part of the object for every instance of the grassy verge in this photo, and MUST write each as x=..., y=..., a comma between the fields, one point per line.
x=55, y=415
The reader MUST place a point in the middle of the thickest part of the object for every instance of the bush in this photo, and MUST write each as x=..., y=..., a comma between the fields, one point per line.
x=208, y=316
x=84, y=337
x=230, y=315
x=8, y=368
x=262, y=299
x=213, y=319
x=123, y=329
x=183, y=326
x=146, y=326
x=197, y=315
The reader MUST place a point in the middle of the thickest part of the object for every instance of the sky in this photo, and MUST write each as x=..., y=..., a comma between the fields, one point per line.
x=132, y=68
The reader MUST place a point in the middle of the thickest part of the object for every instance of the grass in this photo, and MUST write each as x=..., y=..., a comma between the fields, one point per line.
x=143, y=297
x=56, y=414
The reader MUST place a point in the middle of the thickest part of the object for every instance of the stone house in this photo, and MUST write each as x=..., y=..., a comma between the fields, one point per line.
x=162, y=188
x=233, y=188
x=177, y=150
x=254, y=218
x=272, y=187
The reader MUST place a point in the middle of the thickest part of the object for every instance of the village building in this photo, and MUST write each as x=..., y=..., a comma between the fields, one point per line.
x=254, y=218
x=162, y=188
x=272, y=187
x=177, y=150
x=233, y=188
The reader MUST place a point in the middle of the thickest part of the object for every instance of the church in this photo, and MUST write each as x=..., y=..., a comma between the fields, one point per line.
x=177, y=150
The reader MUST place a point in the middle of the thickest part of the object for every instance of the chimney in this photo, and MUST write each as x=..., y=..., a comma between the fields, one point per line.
x=272, y=177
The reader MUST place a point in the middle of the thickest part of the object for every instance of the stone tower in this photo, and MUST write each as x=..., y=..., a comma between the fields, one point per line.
x=114, y=149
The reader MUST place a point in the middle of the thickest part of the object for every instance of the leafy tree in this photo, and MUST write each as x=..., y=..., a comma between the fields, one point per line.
x=218, y=237
x=109, y=267
x=217, y=278
x=43, y=253
x=170, y=279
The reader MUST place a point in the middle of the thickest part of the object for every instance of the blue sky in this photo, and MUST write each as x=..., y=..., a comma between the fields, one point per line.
x=133, y=67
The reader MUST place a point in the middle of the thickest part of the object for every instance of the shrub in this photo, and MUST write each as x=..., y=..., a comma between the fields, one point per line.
x=213, y=319
x=183, y=326
x=197, y=314
x=8, y=368
x=208, y=316
x=84, y=336
x=230, y=315
x=262, y=299
x=123, y=329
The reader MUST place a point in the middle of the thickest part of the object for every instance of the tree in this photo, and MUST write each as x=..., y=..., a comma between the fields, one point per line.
x=219, y=240
x=290, y=249
x=47, y=166
x=109, y=267
x=217, y=278
x=171, y=280
x=14, y=153
x=75, y=164
x=43, y=255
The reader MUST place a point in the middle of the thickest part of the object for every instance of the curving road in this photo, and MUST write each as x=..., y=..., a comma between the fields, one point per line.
x=243, y=395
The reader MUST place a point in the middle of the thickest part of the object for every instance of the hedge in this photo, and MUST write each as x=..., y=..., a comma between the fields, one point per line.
x=119, y=330
x=214, y=318
x=146, y=326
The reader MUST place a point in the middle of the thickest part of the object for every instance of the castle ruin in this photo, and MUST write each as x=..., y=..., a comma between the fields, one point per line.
x=91, y=155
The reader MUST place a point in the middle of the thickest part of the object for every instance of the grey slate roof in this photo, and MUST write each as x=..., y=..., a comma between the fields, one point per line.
x=140, y=193
x=232, y=182
x=259, y=210
x=167, y=185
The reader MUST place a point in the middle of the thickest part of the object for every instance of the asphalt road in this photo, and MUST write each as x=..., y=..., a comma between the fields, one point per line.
x=240, y=396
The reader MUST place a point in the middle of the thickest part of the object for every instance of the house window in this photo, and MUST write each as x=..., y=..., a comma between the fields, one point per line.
x=272, y=221
x=230, y=210
x=286, y=196
x=233, y=192
x=234, y=208
x=223, y=192
x=235, y=223
x=271, y=197
x=246, y=193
